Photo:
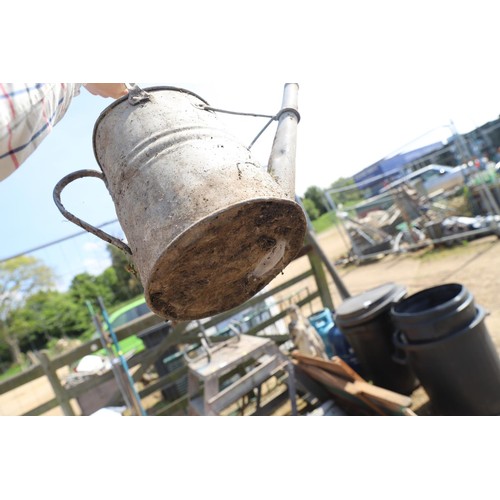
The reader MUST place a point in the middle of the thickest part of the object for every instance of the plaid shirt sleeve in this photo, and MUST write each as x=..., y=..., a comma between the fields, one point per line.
x=28, y=112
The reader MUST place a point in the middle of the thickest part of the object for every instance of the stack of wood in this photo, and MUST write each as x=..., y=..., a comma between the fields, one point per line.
x=347, y=387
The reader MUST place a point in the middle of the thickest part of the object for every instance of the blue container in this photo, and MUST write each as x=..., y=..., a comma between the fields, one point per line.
x=335, y=342
x=343, y=349
x=339, y=342
x=323, y=322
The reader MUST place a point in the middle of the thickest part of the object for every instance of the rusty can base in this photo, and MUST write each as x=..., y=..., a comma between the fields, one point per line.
x=225, y=259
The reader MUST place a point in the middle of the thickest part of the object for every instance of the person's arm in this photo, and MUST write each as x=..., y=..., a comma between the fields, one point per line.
x=114, y=90
x=29, y=111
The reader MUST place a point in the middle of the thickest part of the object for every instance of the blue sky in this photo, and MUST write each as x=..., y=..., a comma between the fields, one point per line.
x=373, y=76
x=339, y=134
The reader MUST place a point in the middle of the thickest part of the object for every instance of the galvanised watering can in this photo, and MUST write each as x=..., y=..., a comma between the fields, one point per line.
x=206, y=226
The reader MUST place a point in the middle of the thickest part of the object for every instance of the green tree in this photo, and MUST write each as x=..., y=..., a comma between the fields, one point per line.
x=20, y=278
x=127, y=285
x=348, y=192
x=316, y=195
x=50, y=314
x=108, y=279
x=85, y=287
x=310, y=208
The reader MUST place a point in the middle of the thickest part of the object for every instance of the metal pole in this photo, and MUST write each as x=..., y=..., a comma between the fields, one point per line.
x=491, y=199
x=462, y=144
x=282, y=159
x=111, y=357
x=282, y=167
x=137, y=400
x=485, y=201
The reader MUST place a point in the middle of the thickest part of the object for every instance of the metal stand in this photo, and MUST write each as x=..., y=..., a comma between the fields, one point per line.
x=262, y=360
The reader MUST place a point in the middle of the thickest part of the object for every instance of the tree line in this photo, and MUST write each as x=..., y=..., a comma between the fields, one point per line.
x=316, y=204
x=33, y=313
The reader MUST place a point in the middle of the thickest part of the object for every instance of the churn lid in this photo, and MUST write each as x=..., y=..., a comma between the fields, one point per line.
x=365, y=306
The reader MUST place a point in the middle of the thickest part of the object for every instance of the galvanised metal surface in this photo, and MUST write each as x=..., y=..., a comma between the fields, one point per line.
x=206, y=225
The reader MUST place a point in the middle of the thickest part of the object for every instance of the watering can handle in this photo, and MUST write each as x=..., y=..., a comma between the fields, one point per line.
x=91, y=229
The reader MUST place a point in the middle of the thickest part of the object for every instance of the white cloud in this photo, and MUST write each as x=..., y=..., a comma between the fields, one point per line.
x=96, y=266
x=96, y=258
x=93, y=246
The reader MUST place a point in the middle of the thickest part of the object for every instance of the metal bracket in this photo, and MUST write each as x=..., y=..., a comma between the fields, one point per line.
x=136, y=95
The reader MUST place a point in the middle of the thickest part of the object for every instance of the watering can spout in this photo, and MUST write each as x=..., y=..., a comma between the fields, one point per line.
x=282, y=159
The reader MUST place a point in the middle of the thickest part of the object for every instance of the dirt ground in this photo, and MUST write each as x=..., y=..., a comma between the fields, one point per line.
x=476, y=265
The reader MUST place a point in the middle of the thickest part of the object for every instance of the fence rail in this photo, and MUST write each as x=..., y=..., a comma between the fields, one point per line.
x=184, y=333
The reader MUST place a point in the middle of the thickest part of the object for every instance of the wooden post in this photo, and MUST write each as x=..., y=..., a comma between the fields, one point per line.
x=319, y=274
x=320, y=277
x=57, y=387
x=344, y=293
